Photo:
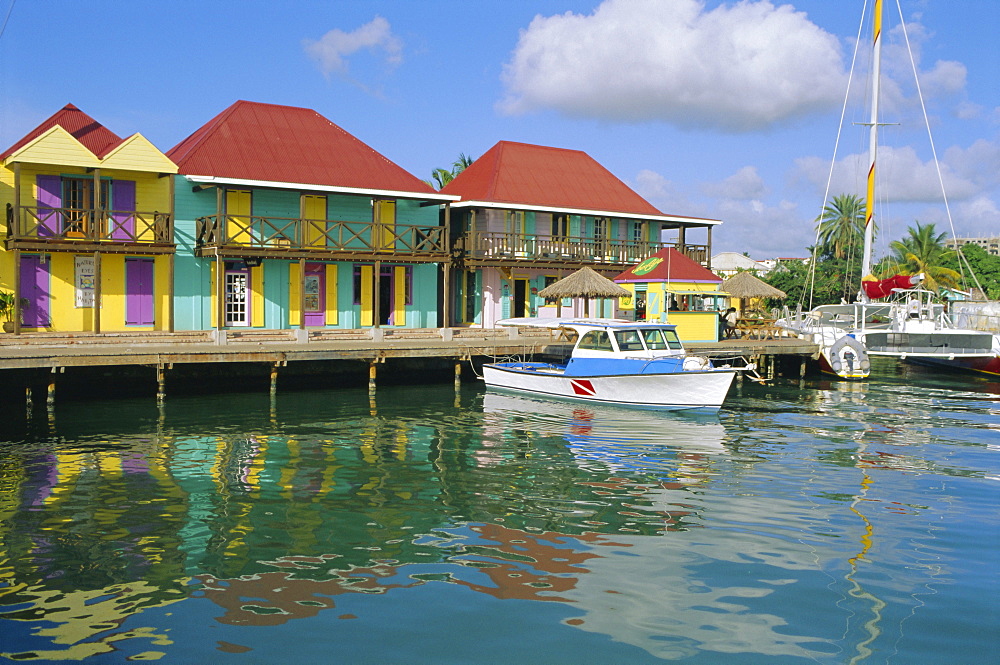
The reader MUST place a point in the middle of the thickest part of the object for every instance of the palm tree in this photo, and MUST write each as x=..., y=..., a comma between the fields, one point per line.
x=923, y=251
x=443, y=176
x=841, y=225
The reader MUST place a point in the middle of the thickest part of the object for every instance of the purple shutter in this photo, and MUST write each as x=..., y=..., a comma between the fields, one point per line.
x=49, y=201
x=35, y=287
x=139, y=292
x=123, y=210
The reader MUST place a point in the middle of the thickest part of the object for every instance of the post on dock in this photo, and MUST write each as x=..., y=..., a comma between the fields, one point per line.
x=802, y=369
x=28, y=403
x=50, y=397
x=371, y=375
x=161, y=386
x=458, y=375
x=274, y=378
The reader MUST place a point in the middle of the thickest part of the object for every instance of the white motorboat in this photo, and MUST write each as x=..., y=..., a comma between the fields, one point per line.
x=623, y=363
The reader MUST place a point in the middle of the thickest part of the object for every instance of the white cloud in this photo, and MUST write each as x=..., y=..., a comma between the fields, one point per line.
x=331, y=49
x=734, y=68
x=748, y=223
x=898, y=90
x=744, y=185
x=901, y=176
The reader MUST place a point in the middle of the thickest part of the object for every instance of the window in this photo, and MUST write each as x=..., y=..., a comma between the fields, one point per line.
x=78, y=200
x=549, y=281
x=637, y=231
x=514, y=221
x=658, y=339
x=601, y=228
x=595, y=340
x=628, y=340
x=560, y=227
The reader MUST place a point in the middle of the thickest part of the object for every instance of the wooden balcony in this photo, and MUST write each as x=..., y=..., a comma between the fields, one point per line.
x=40, y=228
x=512, y=249
x=286, y=237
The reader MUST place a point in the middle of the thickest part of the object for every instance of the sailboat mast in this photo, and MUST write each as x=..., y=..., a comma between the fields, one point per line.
x=866, y=260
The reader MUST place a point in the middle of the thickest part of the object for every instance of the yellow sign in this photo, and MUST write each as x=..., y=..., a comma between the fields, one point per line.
x=647, y=266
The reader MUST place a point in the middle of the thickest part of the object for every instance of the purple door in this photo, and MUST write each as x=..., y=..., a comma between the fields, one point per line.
x=123, y=210
x=315, y=292
x=35, y=287
x=138, y=292
x=49, y=197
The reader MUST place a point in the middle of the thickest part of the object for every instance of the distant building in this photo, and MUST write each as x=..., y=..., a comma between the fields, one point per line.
x=991, y=245
x=728, y=264
x=774, y=263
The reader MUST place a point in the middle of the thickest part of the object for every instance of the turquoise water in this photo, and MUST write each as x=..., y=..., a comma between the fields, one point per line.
x=832, y=523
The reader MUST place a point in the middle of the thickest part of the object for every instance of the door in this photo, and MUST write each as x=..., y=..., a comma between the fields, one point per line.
x=522, y=290
x=238, y=227
x=35, y=288
x=384, y=229
x=237, y=298
x=386, y=297
x=139, y=292
x=315, y=292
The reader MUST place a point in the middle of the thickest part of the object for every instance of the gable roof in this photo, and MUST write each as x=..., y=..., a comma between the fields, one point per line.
x=535, y=177
x=94, y=136
x=268, y=144
x=669, y=265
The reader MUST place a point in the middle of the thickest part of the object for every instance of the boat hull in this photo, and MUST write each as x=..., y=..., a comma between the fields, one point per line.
x=705, y=390
x=974, y=364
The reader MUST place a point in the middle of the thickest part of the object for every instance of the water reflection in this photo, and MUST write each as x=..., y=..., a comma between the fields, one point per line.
x=795, y=524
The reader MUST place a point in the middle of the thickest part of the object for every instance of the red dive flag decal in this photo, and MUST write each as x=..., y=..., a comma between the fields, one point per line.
x=583, y=387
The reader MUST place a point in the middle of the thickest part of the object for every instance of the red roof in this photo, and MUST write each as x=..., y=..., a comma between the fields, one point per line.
x=668, y=265
x=268, y=142
x=521, y=174
x=94, y=136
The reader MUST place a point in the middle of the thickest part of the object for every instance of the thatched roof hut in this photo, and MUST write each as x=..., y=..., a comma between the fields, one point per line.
x=744, y=286
x=584, y=283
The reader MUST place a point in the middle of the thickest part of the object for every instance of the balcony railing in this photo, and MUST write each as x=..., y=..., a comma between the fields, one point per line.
x=268, y=233
x=496, y=246
x=69, y=224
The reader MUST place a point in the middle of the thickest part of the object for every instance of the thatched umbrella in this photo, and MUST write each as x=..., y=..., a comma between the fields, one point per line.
x=744, y=286
x=584, y=283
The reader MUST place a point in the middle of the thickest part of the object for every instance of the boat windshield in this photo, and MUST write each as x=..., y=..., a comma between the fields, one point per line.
x=655, y=339
x=628, y=340
x=658, y=339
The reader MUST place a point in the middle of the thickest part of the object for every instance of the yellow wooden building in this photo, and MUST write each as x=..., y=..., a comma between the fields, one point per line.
x=671, y=288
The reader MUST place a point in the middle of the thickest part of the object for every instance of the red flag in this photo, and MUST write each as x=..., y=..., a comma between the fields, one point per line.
x=880, y=288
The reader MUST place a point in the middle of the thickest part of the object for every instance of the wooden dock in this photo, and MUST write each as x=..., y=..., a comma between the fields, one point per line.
x=52, y=353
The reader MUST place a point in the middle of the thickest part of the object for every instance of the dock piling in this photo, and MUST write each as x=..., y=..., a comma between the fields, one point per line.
x=161, y=388
x=371, y=376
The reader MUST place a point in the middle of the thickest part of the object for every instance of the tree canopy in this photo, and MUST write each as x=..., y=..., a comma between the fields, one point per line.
x=443, y=176
x=923, y=251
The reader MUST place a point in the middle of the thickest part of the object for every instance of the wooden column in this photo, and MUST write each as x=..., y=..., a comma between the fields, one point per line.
x=220, y=296
x=376, y=295
x=97, y=292
x=221, y=237
x=372, y=372
x=446, y=304
x=17, y=291
x=171, y=275
x=302, y=294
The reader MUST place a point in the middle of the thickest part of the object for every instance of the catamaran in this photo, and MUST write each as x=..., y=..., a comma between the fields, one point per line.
x=909, y=323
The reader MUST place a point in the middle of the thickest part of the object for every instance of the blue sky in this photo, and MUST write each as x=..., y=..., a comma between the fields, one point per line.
x=728, y=110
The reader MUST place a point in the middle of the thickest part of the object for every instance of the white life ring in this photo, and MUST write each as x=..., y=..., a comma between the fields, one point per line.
x=848, y=352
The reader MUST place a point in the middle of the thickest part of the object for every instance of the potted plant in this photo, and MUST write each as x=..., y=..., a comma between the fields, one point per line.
x=7, y=307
